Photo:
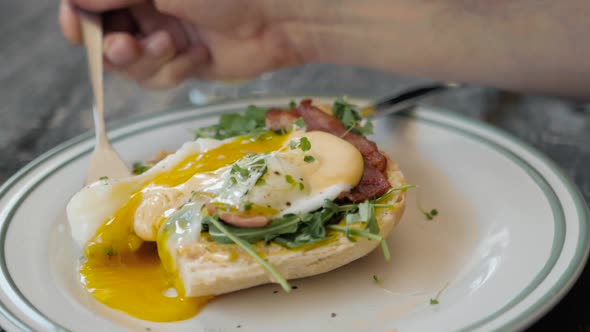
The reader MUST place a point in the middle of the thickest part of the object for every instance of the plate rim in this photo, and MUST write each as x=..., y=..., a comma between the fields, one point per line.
x=555, y=291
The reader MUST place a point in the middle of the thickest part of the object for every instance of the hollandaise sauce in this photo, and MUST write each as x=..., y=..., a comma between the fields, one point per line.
x=125, y=273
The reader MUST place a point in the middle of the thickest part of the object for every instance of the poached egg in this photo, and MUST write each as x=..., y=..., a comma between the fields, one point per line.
x=129, y=230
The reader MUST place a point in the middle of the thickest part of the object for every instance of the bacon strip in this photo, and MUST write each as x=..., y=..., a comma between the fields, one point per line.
x=315, y=119
x=373, y=184
x=374, y=181
x=277, y=119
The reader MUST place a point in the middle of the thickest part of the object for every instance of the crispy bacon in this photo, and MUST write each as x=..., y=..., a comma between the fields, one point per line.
x=315, y=119
x=277, y=119
x=373, y=184
x=374, y=181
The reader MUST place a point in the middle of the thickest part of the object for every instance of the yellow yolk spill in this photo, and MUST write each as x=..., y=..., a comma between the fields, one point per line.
x=137, y=284
x=127, y=274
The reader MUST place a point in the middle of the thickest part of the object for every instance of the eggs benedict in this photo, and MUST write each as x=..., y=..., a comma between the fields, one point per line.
x=265, y=196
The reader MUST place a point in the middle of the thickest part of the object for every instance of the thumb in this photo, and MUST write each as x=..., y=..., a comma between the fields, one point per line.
x=104, y=5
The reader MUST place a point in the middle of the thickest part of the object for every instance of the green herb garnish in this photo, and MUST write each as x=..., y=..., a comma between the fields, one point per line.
x=350, y=117
x=376, y=279
x=308, y=159
x=250, y=123
x=103, y=178
x=430, y=214
x=290, y=180
x=392, y=190
x=243, y=175
x=304, y=144
x=140, y=167
x=435, y=300
x=300, y=123
x=356, y=231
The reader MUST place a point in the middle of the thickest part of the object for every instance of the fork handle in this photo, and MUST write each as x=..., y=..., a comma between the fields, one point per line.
x=409, y=98
x=91, y=26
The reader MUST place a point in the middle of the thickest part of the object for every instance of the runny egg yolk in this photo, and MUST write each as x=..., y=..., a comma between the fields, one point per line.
x=126, y=274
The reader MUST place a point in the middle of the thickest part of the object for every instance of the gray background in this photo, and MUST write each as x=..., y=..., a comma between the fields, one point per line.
x=45, y=100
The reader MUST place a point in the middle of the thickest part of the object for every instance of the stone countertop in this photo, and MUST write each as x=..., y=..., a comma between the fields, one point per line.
x=45, y=100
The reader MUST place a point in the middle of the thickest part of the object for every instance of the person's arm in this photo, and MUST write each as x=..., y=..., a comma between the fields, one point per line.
x=526, y=45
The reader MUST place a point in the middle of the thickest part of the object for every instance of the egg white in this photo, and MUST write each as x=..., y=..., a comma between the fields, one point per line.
x=95, y=203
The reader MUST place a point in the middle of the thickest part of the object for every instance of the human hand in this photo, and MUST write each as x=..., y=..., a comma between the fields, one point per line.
x=161, y=43
x=516, y=46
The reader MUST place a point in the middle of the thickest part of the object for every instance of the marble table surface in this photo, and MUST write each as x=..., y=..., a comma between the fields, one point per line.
x=45, y=100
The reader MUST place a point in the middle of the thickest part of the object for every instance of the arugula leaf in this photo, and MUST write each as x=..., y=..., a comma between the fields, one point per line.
x=385, y=249
x=291, y=231
x=250, y=123
x=250, y=250
x=391, y=191
x=287, y=224
x=356, y=231
x=350, y=117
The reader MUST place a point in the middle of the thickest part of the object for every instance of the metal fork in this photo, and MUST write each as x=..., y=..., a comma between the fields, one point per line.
x=105, y=161
x=405, y=100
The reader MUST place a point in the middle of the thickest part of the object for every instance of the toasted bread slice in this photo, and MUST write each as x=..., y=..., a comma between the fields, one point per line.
x=210, y=268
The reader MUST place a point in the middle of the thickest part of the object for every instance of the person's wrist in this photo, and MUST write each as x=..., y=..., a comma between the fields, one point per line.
x=384, y=34
x=309, y=25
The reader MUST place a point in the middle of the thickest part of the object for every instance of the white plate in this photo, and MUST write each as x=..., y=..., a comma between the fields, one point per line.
x=511, y=238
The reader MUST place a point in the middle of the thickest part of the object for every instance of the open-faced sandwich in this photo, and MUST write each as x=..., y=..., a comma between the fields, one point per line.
x=264, y=196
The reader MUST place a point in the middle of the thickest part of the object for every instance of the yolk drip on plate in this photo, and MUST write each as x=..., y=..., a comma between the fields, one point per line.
x=126, y=273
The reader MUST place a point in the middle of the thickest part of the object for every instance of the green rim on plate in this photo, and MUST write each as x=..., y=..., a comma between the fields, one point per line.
x=468, y=128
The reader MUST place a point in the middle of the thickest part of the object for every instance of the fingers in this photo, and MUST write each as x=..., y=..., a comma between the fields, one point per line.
x=105, y=5
x=157, y=50
x=149, y=19
x=69, y=23
x=121, y=49
x=182, y=67
x=154, y=61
